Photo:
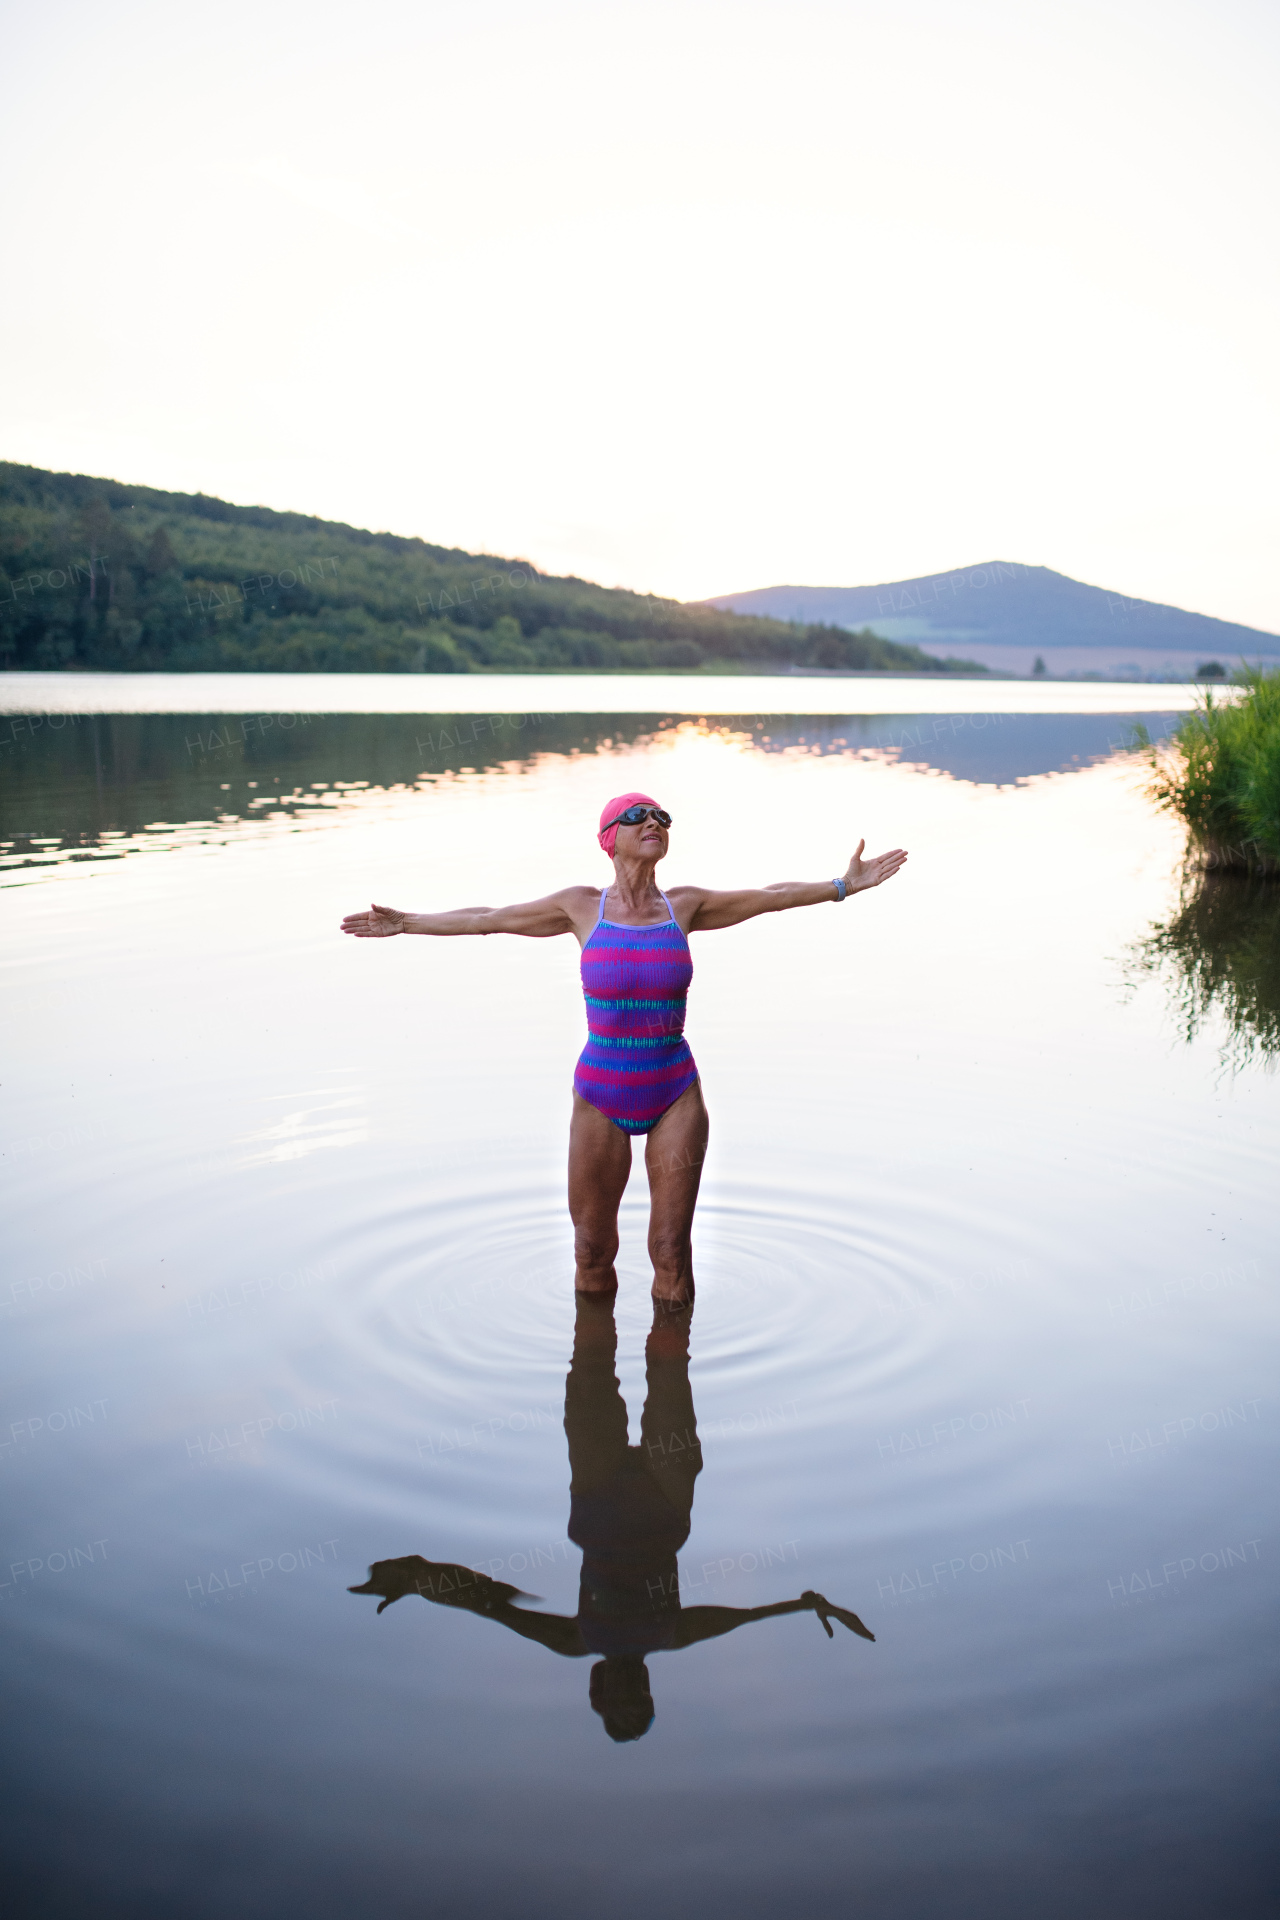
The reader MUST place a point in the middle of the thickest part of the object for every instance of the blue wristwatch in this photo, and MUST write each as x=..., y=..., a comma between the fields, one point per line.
x=841, y=891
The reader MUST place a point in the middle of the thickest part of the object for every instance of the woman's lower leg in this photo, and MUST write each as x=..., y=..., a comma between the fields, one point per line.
x=674, y=1154
x=599, y=1167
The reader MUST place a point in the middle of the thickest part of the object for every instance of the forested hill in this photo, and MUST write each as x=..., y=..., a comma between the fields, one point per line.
x=97, y=574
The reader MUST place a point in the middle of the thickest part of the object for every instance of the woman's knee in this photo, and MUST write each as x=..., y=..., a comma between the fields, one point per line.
x=670, y=1251
x=592, y=1248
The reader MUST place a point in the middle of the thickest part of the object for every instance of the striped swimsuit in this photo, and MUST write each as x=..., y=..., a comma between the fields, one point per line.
x=636, y=1061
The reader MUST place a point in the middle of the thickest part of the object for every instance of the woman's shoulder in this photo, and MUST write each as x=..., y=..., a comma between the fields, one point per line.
x=581, y=907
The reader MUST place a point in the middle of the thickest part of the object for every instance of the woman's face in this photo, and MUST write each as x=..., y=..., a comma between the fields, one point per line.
x=648, y=841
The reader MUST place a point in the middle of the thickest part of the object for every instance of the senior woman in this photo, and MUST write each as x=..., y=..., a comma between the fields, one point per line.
x=636, y=1074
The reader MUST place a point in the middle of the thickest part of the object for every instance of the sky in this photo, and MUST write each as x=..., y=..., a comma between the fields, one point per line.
x=690, y=299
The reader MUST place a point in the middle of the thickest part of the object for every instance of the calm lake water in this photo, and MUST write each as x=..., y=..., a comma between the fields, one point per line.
x=984, y=1350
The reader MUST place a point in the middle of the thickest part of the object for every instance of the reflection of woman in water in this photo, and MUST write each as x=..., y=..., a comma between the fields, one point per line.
x=629, y=1511
x=636, y=1074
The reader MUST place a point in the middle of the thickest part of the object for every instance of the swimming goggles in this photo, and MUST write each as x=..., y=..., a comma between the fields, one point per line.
x=634, y=815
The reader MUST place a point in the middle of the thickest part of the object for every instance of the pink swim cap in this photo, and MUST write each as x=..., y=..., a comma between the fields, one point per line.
x=611, y=810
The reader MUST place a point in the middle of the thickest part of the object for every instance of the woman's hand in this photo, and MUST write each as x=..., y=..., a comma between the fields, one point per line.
x=439, y=1580
x=378, y=924
x=861, y=873
x=823, y=1608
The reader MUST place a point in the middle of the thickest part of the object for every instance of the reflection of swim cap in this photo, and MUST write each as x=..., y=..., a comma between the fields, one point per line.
x=620, y=1694
x=611, y=811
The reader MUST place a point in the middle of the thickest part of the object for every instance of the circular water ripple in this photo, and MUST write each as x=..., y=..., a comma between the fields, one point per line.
x=468, y=1301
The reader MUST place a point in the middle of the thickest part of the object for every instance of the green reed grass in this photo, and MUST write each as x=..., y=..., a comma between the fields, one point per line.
x=1220, y=773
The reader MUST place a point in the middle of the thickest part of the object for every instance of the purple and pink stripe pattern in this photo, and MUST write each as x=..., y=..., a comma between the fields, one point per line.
x=636, y=1061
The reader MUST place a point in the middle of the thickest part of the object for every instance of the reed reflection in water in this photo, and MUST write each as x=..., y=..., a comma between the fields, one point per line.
x=1219, y=957
x=630, y=1511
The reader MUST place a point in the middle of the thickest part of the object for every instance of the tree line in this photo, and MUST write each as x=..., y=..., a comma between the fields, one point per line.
x=97, y=574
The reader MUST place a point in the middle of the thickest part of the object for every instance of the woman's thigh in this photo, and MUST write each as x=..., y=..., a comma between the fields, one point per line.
x=599, y=1166
x=673, y=1155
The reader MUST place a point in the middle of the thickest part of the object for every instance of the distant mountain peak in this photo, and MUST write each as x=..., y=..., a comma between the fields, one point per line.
x=1004, y=603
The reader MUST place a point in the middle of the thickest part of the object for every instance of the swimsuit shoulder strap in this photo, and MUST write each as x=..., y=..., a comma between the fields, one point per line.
x=670, y=909
x=604, y=895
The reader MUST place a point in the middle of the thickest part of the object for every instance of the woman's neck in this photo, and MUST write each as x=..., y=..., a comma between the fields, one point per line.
x=634, y=886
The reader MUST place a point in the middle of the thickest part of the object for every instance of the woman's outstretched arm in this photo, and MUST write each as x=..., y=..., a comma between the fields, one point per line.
x=537, y=919
x=708, y=1623
x=449, y=1585
x=730, y=909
